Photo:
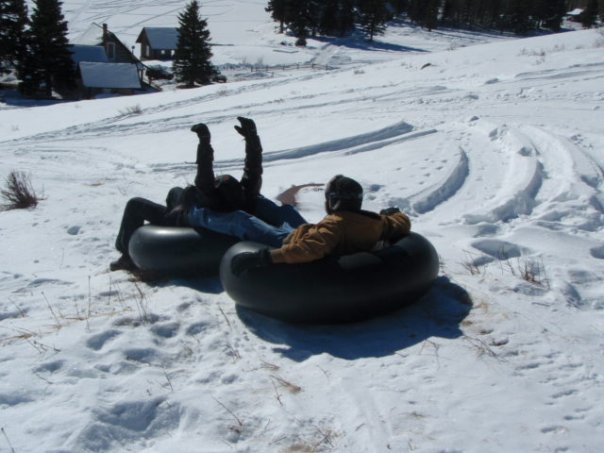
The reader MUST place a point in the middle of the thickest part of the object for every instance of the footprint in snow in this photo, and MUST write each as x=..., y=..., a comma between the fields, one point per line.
x=498, y=249
x=96, y=342
x=597, y=252
x=166, y=330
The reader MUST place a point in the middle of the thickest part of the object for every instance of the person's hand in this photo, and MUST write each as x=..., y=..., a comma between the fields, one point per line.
x=201, y=130
x=176, y=217
x=247, y=128
x=389, y=211
x=250, y=260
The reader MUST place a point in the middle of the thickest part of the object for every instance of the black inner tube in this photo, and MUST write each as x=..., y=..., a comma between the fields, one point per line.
x=178, y=250
x=335, y=289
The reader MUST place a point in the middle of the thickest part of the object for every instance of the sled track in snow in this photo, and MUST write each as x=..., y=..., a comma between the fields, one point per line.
x=501, y=175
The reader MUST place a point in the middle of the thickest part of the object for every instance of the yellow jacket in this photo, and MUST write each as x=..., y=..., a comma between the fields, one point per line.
x=340, y=233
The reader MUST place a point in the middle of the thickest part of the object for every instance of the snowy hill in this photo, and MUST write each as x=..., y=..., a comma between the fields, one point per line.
x=495, y=150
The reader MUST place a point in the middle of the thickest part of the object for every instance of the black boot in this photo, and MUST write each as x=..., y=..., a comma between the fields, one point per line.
x=124, y=262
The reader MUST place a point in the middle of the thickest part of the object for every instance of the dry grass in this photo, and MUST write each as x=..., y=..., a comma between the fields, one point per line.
x=528, y=269
x=531, y=271
x=18, y=193
x=132, y=110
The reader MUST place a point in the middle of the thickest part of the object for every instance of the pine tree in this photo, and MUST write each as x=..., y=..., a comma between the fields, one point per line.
x=328, y=18
x=494, y=11
x=430, y=19
x=300, y=19
x=13, y=20
x=518, y=13
x=278, y=10
x=590, y=14
x=372, y=17
x=345, y=17
x=555, y=11
x=449, y=11
x=193, y=54
x=47, y=63
x=399, y=6
x=416, y=9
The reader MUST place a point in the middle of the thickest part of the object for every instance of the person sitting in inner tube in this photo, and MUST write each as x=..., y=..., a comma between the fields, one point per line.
x=345, y=229
x=219, y=195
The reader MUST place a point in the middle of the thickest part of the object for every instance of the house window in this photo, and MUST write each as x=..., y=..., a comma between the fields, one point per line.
x=111, y=50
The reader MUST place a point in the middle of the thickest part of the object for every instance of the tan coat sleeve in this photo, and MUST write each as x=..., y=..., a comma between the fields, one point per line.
x=396, y=226
x=308, y=243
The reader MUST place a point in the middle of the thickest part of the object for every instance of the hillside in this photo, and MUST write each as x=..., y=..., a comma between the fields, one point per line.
x=494, y=149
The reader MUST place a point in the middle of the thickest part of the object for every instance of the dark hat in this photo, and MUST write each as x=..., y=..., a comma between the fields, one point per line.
x=343, y=194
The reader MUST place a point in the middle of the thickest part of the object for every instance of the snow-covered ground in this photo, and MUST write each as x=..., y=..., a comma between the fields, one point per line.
x=494, y=149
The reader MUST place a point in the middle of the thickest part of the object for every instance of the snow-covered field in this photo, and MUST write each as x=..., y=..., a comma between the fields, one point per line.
x=494, y=149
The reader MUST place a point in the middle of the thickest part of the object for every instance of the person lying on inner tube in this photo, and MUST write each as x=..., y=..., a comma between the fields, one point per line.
x=220, y=194
x=345, y=229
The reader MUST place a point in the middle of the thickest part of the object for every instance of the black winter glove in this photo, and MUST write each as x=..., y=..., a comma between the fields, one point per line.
x=247, y=128
x=250, y=260
x=202, y=131
x=390, y=211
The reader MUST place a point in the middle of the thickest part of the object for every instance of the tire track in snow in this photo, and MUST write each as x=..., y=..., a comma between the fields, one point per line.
x=582, y=179
x=490, y=180
x=521, y=181
x=369, y=141
x=447, y=189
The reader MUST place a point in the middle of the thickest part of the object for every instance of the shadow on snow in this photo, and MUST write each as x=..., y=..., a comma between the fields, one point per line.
x=437, y=314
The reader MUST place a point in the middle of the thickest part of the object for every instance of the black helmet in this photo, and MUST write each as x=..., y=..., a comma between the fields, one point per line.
x=343, y=194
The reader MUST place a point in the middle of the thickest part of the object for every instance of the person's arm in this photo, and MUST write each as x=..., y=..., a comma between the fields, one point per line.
x=251, y=180
x=396, y=224
x=308, y=243
x=204, y=180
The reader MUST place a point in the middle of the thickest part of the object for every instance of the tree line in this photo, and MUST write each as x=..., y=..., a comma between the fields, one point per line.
x=37, y=49
x=304, y=18
x=36, y=46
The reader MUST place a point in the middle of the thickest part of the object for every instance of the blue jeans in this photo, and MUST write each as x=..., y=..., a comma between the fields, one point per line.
x=270, y=226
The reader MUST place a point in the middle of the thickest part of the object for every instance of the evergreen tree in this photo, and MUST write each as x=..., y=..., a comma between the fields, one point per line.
x=300, y=19
x=416, y=10
x=336, y=17
x=399, y=6
x=192, y=56
x=449, y=10
x=589, y=17
x=345, y=17
x=430, y=19
x=328, y=18
x=425, y=12
x=555, y=12
x=372, y=17
x=13, y=20
x=47, y=63
x=278, y=10
x=519, y=16
x=494, y=13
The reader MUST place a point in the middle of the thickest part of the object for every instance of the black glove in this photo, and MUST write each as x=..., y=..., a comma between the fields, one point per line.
x=249, y=260
x=202, y=131
x=247, y=128
x=389, y=211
